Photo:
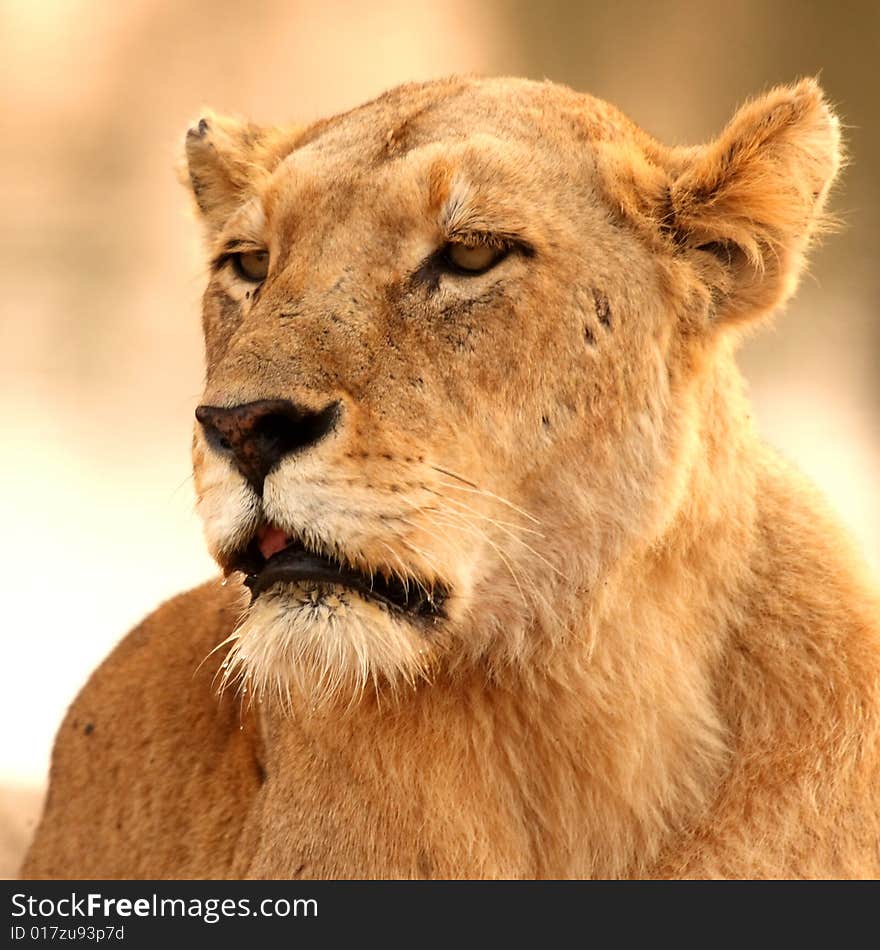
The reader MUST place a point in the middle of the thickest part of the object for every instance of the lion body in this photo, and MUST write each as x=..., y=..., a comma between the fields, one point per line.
x=676, y=674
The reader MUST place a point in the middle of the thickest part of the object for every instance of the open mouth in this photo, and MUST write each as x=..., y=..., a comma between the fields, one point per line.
x=273, y=557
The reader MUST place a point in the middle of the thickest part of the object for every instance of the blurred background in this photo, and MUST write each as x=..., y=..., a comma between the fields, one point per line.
x=100, y=349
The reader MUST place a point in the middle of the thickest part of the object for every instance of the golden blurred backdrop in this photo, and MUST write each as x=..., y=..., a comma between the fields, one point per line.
x=101, y=268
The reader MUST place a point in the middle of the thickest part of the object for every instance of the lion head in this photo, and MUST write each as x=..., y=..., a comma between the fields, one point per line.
x=459, y=342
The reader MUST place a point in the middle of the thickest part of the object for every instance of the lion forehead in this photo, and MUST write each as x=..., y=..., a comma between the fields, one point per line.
x=498, y=110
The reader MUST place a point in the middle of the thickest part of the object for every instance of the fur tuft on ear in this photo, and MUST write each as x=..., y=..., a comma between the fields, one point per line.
x=750, y=202
x=224, y=160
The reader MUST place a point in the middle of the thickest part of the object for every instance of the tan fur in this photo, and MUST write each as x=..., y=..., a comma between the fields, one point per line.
x=660, y=655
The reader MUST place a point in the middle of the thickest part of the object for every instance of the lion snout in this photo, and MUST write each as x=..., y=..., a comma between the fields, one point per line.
x=256, y=436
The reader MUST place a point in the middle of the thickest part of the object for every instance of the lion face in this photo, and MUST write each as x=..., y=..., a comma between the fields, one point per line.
x=452, y=342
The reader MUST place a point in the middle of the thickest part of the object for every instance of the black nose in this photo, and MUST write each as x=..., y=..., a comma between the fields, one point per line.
x=257, y=435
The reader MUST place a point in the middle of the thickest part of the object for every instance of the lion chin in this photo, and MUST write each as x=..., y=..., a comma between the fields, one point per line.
x=324, y=622
x=323, y=642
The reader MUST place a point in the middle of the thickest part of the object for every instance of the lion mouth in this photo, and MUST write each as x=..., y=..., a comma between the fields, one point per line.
x=273, y=558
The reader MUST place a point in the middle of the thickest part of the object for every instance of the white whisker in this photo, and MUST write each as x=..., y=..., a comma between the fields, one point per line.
x=490, y=494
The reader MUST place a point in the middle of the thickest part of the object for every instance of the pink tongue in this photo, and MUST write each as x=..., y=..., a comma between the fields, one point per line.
x=271, y=540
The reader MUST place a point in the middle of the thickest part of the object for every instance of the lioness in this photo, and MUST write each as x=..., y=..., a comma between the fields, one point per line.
x=515, y=589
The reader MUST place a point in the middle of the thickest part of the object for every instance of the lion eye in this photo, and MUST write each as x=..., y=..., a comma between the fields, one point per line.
x=473, y=258
x=251, y=265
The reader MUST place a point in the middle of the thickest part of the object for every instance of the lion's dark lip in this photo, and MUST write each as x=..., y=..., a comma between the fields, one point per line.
x=295, y=563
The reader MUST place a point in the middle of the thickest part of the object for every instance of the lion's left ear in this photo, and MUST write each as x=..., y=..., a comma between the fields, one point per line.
x=748, y=204
x=224, y=160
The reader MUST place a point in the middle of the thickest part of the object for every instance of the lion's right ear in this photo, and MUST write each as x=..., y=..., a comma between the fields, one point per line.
x=226, y=158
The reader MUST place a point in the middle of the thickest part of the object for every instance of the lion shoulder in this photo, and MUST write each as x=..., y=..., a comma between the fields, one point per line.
x=142, y=749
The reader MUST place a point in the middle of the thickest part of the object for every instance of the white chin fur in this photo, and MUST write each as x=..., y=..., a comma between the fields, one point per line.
x=323, y=643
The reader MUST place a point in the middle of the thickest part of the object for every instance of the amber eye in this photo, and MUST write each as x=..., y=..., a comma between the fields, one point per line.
x=251, y=265
x=473, y=258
